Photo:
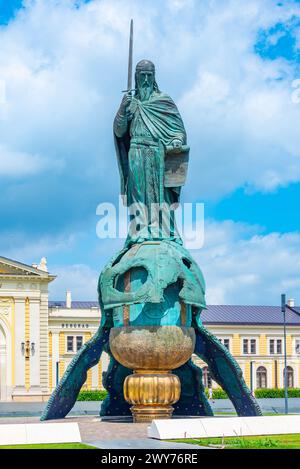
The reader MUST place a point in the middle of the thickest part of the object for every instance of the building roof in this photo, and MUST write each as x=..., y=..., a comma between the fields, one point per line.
x=10, y=267
x=251, y=315
x=75, y=304
x=223, y=314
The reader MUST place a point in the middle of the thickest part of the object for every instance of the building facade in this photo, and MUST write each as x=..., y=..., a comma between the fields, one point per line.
x=24, y=323
x=255, y=337
x=38, y=337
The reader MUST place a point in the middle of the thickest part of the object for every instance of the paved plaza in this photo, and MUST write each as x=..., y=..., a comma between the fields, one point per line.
x=108, y=435
x=119, y=434
x=91, y=427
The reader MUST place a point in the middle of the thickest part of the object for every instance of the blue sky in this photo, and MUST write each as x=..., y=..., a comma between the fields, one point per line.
x=8, y=10
x=229, y=65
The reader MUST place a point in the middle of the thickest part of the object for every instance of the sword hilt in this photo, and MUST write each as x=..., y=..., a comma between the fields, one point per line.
x=128, y=91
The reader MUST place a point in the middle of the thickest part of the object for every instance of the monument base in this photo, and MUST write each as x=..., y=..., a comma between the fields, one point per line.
x=147, y=413
x=151, y=394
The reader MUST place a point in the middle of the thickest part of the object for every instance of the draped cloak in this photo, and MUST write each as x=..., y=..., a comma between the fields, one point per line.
x=161, y=117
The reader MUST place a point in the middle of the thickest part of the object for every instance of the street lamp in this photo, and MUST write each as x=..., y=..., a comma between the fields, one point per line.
x=283, y=308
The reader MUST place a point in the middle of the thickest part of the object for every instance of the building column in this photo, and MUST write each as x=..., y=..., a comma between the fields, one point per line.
x=3, y=366
x=19, y=388
x=34, y=337
x=236, y=345
x=55, y=355
x=62, y=350
x=44, y=349
x=247, y=373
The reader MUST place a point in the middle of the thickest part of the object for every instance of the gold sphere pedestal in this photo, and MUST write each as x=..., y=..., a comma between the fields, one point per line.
x=152, y=352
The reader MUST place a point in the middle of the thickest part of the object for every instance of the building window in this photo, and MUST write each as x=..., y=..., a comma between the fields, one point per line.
x=297, y=345
x=79, y=341
x=249, y=346
x=70, y=340
x=225, y=342
x=261, y=377
x=275, y=346
x=290, y=377
x=206, y=378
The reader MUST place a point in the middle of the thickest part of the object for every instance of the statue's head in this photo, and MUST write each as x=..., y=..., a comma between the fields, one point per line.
x=145, y=79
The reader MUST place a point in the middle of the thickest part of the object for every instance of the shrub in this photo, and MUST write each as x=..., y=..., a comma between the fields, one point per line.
x=276, y=392
x=92, y=395
x=218, y=393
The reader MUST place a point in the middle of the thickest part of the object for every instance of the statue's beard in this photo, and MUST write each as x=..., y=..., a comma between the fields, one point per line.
x=145, y=92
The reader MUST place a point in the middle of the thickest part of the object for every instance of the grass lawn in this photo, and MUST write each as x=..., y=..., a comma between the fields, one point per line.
x=50, y=446
x=249, y=442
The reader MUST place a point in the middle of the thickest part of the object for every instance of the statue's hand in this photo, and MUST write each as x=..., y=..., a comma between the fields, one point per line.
x=177, y=144
x=126, y=101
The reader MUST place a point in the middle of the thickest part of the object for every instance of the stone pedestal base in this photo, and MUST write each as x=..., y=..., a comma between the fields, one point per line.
x=147, y=413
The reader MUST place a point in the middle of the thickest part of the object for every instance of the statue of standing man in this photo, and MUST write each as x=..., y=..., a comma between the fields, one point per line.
x=152, y=154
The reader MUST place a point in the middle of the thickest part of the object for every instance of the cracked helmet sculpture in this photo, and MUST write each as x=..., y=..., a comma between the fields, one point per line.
x=151, y=294
x=160, y=277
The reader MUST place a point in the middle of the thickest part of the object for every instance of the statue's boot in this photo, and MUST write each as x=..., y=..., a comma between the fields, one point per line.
x=224, y=370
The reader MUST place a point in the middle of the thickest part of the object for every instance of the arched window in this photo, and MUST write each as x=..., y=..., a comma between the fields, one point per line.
x=261, y=377
x=290, y=377
x=206, y=378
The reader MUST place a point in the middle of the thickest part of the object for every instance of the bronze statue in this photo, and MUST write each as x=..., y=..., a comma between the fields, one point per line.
x=152, y=292
x=152, y=153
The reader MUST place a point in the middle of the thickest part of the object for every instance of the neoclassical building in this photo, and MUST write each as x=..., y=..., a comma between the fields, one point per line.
x=38, y=337
x=254, y=336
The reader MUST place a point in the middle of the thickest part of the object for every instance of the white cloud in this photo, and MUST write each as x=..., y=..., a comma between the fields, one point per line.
x=176, y=5
x=80, y=279
x=243, y=266
x=64, y=68
x=243, y=125
x=16, y=245
x=17, y=164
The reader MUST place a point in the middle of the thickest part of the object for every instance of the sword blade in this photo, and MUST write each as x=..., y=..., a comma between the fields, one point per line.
x=129, y=79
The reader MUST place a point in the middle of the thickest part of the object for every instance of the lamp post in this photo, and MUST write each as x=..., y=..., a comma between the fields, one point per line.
x=283, y=309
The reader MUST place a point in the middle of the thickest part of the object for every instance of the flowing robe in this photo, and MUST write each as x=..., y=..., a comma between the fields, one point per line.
x=141, y=146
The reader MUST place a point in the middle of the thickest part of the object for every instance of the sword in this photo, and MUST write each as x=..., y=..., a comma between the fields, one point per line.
x=129, y=77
